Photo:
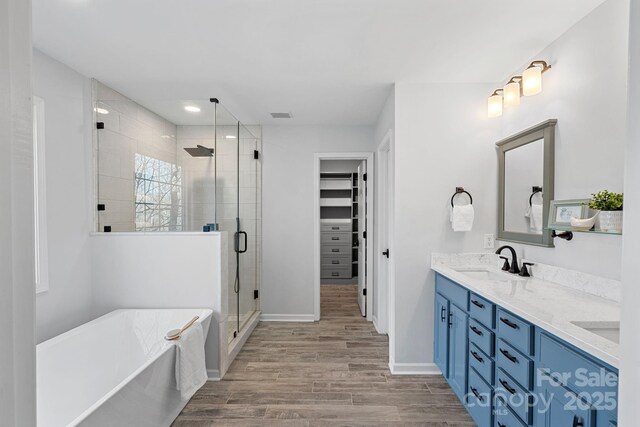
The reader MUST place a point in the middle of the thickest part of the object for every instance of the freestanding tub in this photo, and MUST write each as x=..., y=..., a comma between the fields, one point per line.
x=117, y=370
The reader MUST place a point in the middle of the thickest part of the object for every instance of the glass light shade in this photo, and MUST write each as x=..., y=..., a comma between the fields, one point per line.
x=511, y=93
x=494, y=106
x=532, y=81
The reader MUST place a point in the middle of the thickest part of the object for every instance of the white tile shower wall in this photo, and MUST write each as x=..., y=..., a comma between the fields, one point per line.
x=129, y=128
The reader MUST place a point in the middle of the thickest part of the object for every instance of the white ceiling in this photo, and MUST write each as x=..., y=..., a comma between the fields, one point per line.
x=325, y=61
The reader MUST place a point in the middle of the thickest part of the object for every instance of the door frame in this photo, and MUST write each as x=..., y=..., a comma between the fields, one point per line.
x=385, y=290
x=369, y=157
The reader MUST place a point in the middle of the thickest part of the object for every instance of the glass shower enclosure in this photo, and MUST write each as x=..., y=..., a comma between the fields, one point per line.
x=183, y=173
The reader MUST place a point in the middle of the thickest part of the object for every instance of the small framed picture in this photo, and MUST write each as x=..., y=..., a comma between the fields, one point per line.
x=561, y=211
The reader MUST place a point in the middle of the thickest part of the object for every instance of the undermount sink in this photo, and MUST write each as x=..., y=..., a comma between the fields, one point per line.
x=486, y=274
x=605, y=329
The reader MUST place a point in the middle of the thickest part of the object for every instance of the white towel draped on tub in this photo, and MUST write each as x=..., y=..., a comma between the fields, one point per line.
x=462, y=217
x=191, y=371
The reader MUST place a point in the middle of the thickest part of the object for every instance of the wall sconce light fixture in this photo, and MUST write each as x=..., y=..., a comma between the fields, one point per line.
x=494, y=104
x=532, y=78
x=511, y=92
x=530, y=83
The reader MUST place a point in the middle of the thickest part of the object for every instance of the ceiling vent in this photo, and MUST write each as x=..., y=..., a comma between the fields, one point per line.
x=281, y=115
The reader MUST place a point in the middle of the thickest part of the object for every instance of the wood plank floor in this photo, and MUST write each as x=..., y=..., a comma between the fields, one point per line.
x=329, y=373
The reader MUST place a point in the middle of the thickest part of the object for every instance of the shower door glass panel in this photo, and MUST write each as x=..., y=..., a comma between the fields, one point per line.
x=248, y=203
x=227, y=157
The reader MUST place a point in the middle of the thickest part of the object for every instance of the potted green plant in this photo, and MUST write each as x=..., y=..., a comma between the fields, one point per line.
x=609, y=207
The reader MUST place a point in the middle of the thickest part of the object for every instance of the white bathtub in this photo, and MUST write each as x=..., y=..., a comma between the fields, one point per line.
x=117, y=370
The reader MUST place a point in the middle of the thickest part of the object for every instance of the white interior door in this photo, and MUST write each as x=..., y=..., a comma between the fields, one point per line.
x=362, y=242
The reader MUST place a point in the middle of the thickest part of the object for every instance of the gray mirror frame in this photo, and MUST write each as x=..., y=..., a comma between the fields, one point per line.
x=545, y=130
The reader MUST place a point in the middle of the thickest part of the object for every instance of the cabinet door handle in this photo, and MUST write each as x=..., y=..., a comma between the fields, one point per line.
x=335, y=261
x=476, y=330
x=477, y=357
x=335, y=250
x=577, y=421
x=477, y=303
x=335, y=274
x=335, y=238
x=509, y=356
x=507, y=387
x=450, y=319
x=443, y=315
x=477, y=395
x=509, y=323
x=335, y=228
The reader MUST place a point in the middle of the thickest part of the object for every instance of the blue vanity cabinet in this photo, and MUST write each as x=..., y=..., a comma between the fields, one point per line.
x=450, y=334
x=458, y=364
x=441, y=334
x=528, y=376
x=583, y=389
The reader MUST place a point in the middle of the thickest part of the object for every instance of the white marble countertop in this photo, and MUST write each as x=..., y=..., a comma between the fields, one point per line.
x=548, y=305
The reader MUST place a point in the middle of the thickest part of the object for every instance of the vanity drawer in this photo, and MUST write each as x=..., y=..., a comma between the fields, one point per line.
x=516, y=364
x=504, y=416
x=479, y=399
x=482, y=310
x=335, y=272
x=482, y=363
x=515, y=330
x=453, y=292
x=481, y=336
x=336, y=260
x=561, y=361
x=333, y=250
x=518, y=399
x=336, y=227
x=336, y=238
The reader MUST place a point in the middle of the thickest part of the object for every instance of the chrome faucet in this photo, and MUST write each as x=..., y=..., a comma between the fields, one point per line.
x=514, y=260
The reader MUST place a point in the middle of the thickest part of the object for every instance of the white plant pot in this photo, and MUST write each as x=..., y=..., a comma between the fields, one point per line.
x=609, y=221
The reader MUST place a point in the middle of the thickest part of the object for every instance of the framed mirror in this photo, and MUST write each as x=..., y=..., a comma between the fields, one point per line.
x=525, y=185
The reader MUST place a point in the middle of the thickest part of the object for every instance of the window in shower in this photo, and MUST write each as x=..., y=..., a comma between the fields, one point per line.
x=158, y=195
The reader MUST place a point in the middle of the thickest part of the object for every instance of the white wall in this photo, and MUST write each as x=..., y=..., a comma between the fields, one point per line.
x=443, y=140
x=140, y=270
x=288, y=177
x=17, y=352
x=386, y=118
x=586, y=90
x=69, y=179
x=629, y=410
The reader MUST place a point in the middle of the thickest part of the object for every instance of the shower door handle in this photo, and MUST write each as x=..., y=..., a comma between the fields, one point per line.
x=244, y=233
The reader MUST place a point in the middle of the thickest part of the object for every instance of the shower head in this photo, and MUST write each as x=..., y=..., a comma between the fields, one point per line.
x=199, y=151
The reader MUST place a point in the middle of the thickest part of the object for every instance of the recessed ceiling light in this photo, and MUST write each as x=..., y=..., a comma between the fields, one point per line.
x=230, y=136
x=101, y=110
x=192, y=109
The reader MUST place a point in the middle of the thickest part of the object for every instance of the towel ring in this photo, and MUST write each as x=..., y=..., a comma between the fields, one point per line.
x=535, y=190
x=460, y=190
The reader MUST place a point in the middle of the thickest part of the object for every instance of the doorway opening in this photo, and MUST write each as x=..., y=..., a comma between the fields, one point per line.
x=344, y=241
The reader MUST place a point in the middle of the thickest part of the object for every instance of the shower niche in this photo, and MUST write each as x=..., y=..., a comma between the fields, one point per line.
x=188, y=166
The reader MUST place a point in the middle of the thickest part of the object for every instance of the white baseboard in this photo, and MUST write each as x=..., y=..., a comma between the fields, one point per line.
x=287, y=318
x=378, y=328
x=414, y=369
x=213, y=375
